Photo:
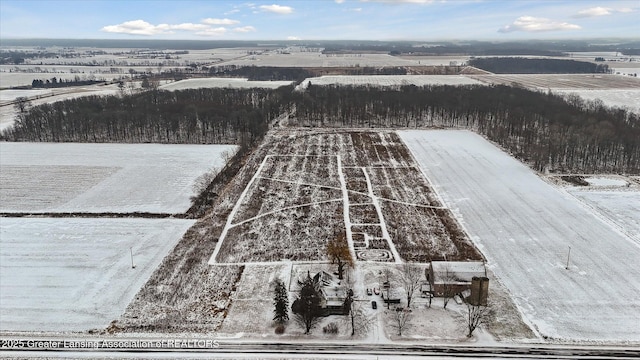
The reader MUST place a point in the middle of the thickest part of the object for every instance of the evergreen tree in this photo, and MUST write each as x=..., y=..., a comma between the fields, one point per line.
x=307, y=306
x=280, y=301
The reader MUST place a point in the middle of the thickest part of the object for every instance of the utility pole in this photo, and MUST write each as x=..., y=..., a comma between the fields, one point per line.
x=568, y=256
x=133, y=266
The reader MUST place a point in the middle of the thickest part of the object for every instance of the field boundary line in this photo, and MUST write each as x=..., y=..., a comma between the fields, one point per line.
x=283, y=209
x=345, y=208
x=298, y=183
x=383, y=224
x=233, y=212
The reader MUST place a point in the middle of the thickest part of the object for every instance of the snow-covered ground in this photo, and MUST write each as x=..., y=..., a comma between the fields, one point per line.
x=315, y=59
x=213, y=82
x=73, y=177
x=389, y=80
x=76, y=274
x=525, y=227
x=625, y=98
x=622, y=208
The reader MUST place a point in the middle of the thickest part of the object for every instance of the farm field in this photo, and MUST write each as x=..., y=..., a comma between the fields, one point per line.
x=562, y=81
x=524, y=227
x=96, y=178
x=389, y=80
x=316, y=59
x=313, y=186
x=234, y=83
x=626, y=98
x=622, y=208
x=76, y=274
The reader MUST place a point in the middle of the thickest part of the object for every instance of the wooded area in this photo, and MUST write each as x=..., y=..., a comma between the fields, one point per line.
x=516, y=65
x=544, y=130
x=194, y=116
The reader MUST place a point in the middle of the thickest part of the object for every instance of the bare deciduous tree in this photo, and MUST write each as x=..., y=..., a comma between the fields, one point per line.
x=401, y=320
x=449, y=279
x=411, y=276
x=339, y=252
x=477, y=315
x=388, y=278
x=359, y=322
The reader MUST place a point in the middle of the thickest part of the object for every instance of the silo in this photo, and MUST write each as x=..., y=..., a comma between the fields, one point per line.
x=479, y=291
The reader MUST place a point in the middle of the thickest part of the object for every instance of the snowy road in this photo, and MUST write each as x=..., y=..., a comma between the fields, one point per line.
x=525, y=227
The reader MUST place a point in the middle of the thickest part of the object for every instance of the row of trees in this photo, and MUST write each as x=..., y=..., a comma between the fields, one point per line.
x=516, y=65
x=55, y=83
x=196, y=116
x=543, y=129
x=550, y=132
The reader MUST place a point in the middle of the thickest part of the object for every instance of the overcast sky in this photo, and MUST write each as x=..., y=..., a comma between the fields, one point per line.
x=320, y=19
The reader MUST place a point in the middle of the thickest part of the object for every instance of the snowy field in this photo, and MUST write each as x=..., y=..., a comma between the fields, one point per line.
x=233, y=83
x=389, y=80
x=76, y=274
x=525, y=227
x=73, y=177
x=625, y=98
x=622, y=208
x=314, y=59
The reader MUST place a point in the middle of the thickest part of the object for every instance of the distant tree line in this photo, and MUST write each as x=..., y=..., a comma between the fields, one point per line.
x=58, y=83
x=298, y=74
x=194, y=116
x=516, y=65
x=547, y=131
x=542, y=129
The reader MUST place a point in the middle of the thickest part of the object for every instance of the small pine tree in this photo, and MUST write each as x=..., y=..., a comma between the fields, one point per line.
x=280, y=301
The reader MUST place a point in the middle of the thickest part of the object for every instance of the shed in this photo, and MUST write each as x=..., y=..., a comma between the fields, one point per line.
x=453, y=277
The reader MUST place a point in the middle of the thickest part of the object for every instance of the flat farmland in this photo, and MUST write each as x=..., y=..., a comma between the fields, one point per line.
x=233, y=83
x=525, y=226
x=626, y=98
x=622, y=208
x=95, y=178
x=312, y=186
x=389, y=80
x=76, y=274
x=562, y=81
x=315, y=59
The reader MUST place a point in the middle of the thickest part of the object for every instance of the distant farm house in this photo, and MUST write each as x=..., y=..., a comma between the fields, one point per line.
x=453, y=277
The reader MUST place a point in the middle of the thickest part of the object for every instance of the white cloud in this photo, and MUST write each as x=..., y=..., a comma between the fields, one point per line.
x=594, y=11
x=293, y=38
x=244, y=29
x=225, y=21
x=626, y=10
x=212, y=31
x=141, y=27
x=400, y=1
x=533, y=24
x=278, y=9
x=339, y=1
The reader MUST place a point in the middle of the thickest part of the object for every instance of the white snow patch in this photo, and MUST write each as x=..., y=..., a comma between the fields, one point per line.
x=233, y=83
x=525, y=227
x=73, y=177
x=598, y=181
x=75, y=274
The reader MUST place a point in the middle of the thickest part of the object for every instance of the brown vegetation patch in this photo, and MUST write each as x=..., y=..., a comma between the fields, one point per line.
x=363, y=214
